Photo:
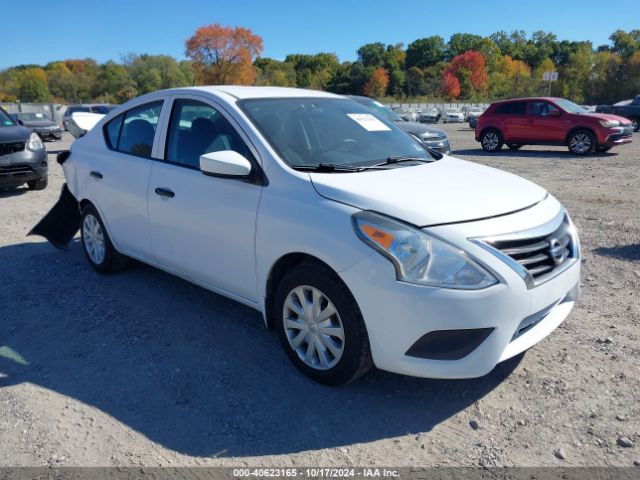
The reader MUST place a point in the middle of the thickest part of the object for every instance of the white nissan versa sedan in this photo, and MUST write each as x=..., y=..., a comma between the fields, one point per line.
x=358, y=246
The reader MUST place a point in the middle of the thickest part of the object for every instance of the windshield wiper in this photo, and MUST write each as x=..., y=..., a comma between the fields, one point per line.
x=400, y=159
x=327, y=168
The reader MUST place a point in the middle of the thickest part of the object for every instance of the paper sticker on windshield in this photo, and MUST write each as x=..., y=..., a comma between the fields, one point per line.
x=368, y=122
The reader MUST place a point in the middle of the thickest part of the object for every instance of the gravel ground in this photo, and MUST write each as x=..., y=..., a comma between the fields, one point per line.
x=142, y=368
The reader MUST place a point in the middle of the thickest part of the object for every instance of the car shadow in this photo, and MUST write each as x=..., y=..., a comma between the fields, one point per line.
x=621, y=252
x=13, y=192
x=189, y=369
x=524, y=153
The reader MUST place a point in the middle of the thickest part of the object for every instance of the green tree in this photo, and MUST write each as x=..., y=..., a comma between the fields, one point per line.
x=425, y=52
x=372, y=54
x=462, y=42
x=274, y=72
x=32, y=86
x=314, y=71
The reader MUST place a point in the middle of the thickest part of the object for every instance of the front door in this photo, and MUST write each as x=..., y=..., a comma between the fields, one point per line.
x=546, y=122
x=203, y=227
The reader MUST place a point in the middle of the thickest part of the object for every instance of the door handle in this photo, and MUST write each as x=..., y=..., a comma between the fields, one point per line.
x=96, y=175
x=164, y=192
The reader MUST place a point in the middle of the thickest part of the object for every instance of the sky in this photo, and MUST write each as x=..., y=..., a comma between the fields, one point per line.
x=48, y=30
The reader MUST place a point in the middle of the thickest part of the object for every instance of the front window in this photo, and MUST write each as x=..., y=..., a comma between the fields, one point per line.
x=197, y=128
x=542, y=108
x=5, y=120
x=569, y=106
x=313, y=131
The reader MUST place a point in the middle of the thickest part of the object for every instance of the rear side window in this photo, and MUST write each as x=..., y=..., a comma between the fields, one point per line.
x=133, y=131
x=511, y=108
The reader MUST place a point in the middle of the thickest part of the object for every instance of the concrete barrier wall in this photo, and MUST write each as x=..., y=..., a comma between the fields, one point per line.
x=55, y=111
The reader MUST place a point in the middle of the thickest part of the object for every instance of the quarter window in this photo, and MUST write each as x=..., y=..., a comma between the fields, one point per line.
x=197, y=128
x=133, y=131
x=511, y=108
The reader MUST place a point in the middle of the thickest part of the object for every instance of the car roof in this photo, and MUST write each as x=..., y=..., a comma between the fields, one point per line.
x=522, y=99
x=241, y=92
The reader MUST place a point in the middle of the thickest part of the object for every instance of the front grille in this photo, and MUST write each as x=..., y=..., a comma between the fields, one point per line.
x=540, y=255
x=15, y=170
x=13, y=147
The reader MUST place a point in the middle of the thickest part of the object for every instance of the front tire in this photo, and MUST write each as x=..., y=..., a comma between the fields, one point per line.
x=581, y=142
x=320, y=325
x=39, y=184
x=635, y=124
x=491, y=140
x=97, y=246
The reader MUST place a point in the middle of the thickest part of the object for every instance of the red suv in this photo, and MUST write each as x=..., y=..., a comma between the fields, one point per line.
x=550, y=121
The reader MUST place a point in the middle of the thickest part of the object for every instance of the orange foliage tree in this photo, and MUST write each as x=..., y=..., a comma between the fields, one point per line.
x=224, y=55
x=450, y=85
x=377, y=84
x=470, y=70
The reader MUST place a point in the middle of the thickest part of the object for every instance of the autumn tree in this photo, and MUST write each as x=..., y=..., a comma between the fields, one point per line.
x=224, y=55
x=33, y=86
x=377, y=84
x=470, y=71
x=451, y=85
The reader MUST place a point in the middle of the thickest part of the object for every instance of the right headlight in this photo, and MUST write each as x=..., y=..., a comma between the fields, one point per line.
x=418, y=257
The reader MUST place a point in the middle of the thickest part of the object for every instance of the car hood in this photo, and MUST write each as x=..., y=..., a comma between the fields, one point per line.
x=14, y=133
x=39, y=123
x=445, y=191
x=420, y=129
x=606, y=116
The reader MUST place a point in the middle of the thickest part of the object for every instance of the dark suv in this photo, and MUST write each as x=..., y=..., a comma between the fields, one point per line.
x=550, y=121
x=23, y=158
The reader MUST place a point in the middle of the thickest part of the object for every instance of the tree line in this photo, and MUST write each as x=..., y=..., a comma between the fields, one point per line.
x=467, y=67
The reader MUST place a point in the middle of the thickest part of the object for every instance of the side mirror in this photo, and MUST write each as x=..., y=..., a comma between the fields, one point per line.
x=554, y=113
x=19, y=122
x=225, y=163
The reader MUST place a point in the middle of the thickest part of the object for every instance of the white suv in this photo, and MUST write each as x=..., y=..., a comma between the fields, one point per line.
x=355, y=243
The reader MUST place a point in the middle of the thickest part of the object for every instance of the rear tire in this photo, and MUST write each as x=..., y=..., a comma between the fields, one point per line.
x=491, y=140
x=97, y=246
x=635, y=124
x=39, y=184
x=330, y=348
x=581, y=142
x=514, y=146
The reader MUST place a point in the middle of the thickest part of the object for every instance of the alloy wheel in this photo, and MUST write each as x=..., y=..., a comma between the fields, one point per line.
x=313, y=327
x=580, y=143
x=490, y=140
x=93, y=239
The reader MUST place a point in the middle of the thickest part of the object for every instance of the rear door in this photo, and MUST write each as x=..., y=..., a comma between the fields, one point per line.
x=203, y=227
x=119, y=177
x=512, y=121
x=546, y=122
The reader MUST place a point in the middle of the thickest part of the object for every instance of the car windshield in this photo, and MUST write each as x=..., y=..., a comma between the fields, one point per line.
x=569, y=106
x=5, y=120
x=381, y=110
x=32, y=117
x=308, y=132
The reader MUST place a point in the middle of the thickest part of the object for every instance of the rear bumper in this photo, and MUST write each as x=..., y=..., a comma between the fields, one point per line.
x=19, y=168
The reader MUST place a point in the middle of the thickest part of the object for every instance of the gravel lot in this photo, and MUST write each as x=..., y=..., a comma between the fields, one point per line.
x=143, y=368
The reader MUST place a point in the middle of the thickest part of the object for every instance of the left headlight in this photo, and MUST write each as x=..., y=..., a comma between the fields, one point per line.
x=418, y=257
x=609, y=123
x=34, y=144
